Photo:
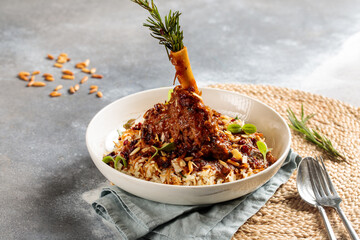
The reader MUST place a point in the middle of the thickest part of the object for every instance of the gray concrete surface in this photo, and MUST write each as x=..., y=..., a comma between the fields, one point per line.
x=45, y=168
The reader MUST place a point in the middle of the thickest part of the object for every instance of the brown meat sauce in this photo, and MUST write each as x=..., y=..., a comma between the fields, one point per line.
x=187, y=122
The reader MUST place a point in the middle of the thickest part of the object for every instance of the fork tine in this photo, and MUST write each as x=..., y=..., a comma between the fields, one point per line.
x=312, y=180
x=331, y=186
x=320, y=174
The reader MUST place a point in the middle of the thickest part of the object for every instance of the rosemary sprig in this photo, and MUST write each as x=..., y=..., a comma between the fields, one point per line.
x=311, y=134
x=168, y=31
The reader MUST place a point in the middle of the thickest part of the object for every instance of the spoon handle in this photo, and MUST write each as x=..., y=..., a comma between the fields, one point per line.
x=328, y=227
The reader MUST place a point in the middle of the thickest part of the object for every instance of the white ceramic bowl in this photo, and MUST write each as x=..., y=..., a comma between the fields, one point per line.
x=102, y=130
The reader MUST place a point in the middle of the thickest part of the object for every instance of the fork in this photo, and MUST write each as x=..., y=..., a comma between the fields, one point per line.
x=325, y=192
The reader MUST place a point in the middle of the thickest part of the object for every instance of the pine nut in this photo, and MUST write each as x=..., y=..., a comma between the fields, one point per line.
x=30, y=84
x=38, y=84
x=50, y=79
x=58, y=65
x=47, y=75
x=35, y=72
x=93, y=70
x=85, y=70
x=97, y=76
x=55, y=94
x=80, y=65
x=67, y=72
x=72, y=90
x=68, y=77
x=63, y=55
x=58, y=87
x=84, y=79
x=99, y=94
x=76, y=87
x=24, y=74
x=94, y=87
x=87, y=62
x=23, y=78
x=93, y=90
x=61, y=60
x=49, y=56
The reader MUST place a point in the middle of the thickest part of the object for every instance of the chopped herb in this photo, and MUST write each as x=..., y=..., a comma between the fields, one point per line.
x=118, y=158
x=262, y=148
x=166, y=148
x=129, y=123
x=108, y=159
x=236, y=128
x=237, y=117
x=311, y=134
x=119, y=132
x=169, y=94
x=249, y=128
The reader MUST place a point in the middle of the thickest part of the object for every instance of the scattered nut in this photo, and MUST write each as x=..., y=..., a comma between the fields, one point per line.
x=84, y=79
x=87, y=62
x=61, y=60
x=68, y=77
x=93, y=70
x=80, y=65
x=99, y=94
x=55, y=94
x=49, y=56
x=35, y=72
x=92, y=90
x=67, y=72
x=72, y=90
x=26, y=74
x=94, y=87
x=97, y=76
x=58, y=87
x=63, y=55
x=23, y=78
x=47, y=75
x=49, y=78
x=38, y=84
x=30, y=84
x=58, y=65
x=85, y=70
x=32, y=78
x=76, y=87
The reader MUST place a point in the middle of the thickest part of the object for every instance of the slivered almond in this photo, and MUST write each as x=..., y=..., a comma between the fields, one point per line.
x=50, y=79
x=224, y=164
x=35, y=72
x=63, y=55
x=24, y=74
x=233, y=163
x=87, y=62
x=99, y=94
x=47, y=75
x=38, y=84
x=97, y=76
x=58, y=65
x=85, y=70
x=67, y=72
x=94, y=87
x=76, y=87
x=49, y=56
x=58, y=87
x=92, y=91
x=80, y=65
x=71, y=90
x=93, y=70
x=190, y=166
x=84, y=79
x=32, y=78
x=55, y=94
x=68, y=77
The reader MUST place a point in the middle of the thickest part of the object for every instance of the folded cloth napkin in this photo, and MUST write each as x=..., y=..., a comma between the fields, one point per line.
x=136, y=217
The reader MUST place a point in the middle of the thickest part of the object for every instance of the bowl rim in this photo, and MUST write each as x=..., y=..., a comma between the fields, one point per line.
x=142, y=181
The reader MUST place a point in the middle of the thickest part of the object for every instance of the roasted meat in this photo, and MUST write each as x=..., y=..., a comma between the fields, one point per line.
x=187, y=122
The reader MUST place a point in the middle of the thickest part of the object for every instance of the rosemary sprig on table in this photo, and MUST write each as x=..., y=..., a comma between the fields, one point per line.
x=311, y=134
x=168, y=31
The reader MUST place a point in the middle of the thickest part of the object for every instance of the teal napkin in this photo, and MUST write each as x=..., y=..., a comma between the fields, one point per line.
x=136, y=217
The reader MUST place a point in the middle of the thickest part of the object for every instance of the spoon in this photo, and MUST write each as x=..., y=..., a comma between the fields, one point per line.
x=306, y=193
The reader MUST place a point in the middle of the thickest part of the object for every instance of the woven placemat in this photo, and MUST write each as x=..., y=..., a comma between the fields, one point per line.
x=286, y=215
